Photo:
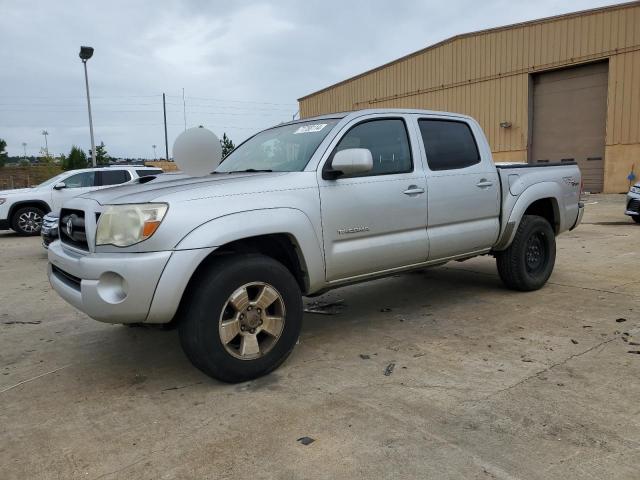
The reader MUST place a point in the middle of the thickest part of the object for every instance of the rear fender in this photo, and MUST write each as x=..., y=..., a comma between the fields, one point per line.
x=531, y=194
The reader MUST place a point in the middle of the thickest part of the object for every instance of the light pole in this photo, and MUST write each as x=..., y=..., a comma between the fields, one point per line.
x=24, y=146
x=155, y=157
x=85, y=54
x=46, y=143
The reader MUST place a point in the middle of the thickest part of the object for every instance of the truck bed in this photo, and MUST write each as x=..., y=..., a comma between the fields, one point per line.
x=504, y=165
x=560, y=182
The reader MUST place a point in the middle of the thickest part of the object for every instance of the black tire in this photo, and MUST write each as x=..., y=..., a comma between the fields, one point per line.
x=528, y=262
x=27, y=221
x=636, y=218
x=207, y=302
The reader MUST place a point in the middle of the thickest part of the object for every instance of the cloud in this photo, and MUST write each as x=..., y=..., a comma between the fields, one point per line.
x=242, y=64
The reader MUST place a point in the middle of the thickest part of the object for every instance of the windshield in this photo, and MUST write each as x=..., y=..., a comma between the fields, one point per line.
x=281, y=149
x=53, y=180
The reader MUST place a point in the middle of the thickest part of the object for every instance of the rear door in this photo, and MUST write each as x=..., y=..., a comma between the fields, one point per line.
x=375, y=221
x=463, y=189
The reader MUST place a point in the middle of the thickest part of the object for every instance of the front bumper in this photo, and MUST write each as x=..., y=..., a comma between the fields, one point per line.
x=5, y=223
x=123, y=287
x=112, y=288
x=633, y=204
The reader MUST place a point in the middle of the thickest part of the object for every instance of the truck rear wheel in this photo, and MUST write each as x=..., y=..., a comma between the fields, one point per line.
x=242, y=319
x=528, y=262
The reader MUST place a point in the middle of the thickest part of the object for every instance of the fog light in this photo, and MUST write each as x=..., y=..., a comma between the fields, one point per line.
x=112, y=288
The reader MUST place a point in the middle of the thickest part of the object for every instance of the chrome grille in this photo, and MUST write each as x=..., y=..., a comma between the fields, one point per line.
x=72, y=229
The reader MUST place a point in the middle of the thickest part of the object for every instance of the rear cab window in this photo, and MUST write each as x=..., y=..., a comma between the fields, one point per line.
x=448, y=144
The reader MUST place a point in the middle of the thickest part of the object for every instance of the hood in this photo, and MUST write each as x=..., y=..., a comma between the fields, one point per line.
x=16, y=191
x=189, y=188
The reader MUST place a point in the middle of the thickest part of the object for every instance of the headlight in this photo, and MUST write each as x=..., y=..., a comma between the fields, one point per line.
x=634, y=189
x=2, y=200
x=124, y=225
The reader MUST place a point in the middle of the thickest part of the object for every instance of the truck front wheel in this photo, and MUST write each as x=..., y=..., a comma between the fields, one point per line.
x=242, y=318
x=528, y=262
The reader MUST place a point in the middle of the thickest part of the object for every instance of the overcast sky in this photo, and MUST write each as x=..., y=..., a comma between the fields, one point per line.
x=242, y=64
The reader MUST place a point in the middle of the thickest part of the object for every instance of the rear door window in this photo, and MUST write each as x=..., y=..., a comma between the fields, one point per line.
x=144, y=173
x=112, y=177
x=448, y=144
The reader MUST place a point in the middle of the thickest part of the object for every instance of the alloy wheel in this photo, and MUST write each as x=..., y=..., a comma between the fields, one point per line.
x=252, y=321
x=30, y=222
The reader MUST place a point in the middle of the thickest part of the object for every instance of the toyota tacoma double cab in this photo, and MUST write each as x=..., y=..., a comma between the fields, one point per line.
x=299, y=209
x=23, y=209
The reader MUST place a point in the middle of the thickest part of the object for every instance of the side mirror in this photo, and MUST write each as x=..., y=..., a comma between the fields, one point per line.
x=349, y=162
x=59, y=186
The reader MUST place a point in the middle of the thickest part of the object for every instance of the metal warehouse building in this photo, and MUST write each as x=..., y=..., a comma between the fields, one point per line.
x=557, y=89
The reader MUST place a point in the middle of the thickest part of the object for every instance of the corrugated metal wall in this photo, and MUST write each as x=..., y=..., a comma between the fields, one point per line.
x=486, y=74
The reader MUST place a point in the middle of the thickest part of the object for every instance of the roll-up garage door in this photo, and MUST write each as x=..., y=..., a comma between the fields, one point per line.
x=569, y=119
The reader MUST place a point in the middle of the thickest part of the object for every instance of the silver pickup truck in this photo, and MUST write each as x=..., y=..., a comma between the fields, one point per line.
x=299, y=209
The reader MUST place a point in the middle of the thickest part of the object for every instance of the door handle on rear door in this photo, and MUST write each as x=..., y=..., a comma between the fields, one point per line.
x=413, y=190
x=484, y=183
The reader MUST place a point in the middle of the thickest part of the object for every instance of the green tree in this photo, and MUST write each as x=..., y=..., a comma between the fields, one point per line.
x=76, y=159
x=3, y=153
x=45, y=157
x=227, y=145
x=102, y=157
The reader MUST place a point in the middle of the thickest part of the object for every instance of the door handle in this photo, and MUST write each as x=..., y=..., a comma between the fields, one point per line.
x=413, y=190
x=484, y=183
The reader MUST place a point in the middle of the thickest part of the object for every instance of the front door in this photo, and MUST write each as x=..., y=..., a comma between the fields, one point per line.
x=74, y=185
x=375, y=221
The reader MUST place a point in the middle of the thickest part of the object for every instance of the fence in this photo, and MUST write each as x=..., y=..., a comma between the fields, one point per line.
x=163, y=164
x=28, y=176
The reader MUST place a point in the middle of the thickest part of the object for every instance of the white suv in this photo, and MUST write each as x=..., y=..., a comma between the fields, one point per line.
x=22, y=209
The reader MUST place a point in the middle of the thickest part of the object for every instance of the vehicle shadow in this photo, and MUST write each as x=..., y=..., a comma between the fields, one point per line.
x=131, y=356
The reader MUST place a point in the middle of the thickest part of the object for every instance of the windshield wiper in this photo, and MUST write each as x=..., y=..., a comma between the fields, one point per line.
x=250, y=170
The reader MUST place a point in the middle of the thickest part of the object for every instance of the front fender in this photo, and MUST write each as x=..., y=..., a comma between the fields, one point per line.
x=531, y=194
x=252, y=223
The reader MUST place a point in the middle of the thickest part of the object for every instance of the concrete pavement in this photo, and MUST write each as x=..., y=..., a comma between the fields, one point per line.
x=486, y=383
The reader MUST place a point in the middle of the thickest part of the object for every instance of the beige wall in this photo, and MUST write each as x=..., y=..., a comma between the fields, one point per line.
x=486, y=75
x=619, y=160
x=512, y=156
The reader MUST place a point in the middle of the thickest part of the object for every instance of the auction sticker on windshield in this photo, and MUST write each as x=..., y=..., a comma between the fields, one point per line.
x=310, y=128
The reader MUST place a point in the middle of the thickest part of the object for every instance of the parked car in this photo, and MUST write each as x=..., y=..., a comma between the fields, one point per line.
x=633, y=203
x=49, y=230
x=299, y=209
x=22, y=210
